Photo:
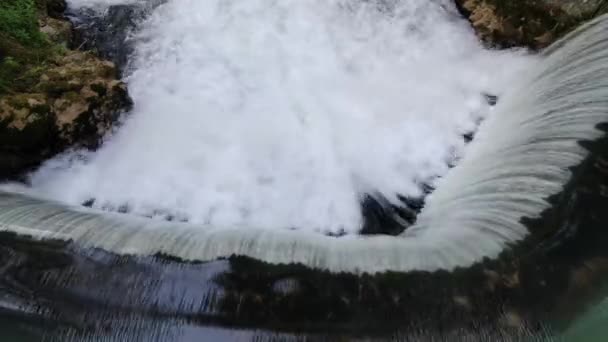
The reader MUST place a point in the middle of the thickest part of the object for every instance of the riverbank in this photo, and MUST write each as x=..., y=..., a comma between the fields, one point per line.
x=51, y=97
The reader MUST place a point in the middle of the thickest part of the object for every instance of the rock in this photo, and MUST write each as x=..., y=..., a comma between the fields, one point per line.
x=512, y=320
x=54, y=98
x=75, y=102
x=56, y=8
x=109, y=34
x=530, y=23
x=53, y=23
x=58, y=31
x=463, y=302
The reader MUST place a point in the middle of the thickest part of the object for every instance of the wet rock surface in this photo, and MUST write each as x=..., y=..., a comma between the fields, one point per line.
x=109, y=33
x=530, y=23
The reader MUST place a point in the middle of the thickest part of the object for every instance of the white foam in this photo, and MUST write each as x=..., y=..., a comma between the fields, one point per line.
x=282, y=114
x=522, y=155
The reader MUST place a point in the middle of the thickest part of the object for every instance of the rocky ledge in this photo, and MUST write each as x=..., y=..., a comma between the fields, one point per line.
x=51, y=98
x=530, y=23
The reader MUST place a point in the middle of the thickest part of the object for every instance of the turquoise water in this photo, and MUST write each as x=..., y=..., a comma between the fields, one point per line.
x=591, y=327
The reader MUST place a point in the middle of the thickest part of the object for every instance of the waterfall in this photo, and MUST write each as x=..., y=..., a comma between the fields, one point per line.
x=364, y=100
x=286, y=114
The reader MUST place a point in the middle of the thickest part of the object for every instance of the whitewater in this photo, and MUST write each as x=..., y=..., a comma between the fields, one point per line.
x=284, y=114
x=255, y=116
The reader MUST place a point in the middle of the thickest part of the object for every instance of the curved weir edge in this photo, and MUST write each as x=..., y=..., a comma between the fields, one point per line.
x=520, y=157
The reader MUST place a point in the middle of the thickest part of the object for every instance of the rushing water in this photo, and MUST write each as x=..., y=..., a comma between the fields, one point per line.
x=253, y=116
x=264, y=138
x=284, y=114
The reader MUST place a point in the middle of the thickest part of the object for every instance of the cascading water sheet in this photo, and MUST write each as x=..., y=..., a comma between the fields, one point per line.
x=232, y=203
x=302, y=138
x=284, y=114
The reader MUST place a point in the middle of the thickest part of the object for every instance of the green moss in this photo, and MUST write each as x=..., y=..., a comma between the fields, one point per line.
x=59, y=86
x=19, y=76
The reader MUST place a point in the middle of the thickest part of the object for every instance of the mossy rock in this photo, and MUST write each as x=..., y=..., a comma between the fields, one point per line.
x=50, y=98
x=530, y=23
x=27, y=132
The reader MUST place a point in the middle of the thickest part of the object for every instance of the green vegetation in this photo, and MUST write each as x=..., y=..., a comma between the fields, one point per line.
x=19, y=21
x=24, y=50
